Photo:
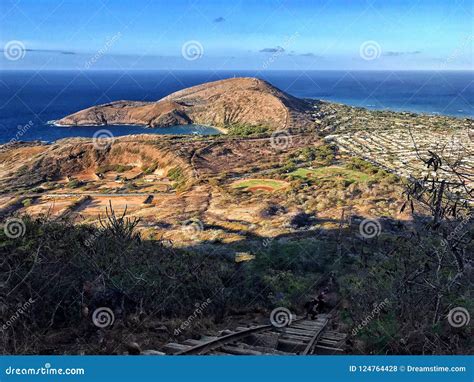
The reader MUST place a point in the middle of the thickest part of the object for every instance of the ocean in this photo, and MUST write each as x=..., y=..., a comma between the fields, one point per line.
x=29, y=99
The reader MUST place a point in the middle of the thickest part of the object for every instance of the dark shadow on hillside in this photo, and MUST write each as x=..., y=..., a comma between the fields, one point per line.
x=71, y=271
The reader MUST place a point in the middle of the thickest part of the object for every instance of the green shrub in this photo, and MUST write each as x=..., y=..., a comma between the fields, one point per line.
x=245, y=130
x=26, y=202
x=150, y=169
x=113, y=167
x=177, y=175
x=75, y=183
x=65, y=268
x=321, y=155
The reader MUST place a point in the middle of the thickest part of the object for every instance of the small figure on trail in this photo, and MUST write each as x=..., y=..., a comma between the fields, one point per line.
x=317, y=305
x=321, y=303
x=310, y=307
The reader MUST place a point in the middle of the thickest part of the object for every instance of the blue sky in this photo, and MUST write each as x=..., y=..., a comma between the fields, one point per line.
x=262, y=35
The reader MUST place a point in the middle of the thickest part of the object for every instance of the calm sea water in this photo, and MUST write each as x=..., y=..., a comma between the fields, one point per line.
x=48, y=95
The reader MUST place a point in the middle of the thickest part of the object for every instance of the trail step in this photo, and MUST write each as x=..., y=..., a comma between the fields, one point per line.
x=327, y=350
x=193, y=342
x=262, y=349
x=291, y=346
x=303, y=333
x=291, y=337
x=152, y=352
x=239, y=351
x=173, y=347
x=208, y=338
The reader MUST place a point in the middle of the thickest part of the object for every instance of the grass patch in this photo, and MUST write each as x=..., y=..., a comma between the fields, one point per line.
x=330, y=173
x=260, y=184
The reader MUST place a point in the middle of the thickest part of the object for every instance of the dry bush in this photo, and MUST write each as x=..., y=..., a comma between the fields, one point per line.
x=69, y=271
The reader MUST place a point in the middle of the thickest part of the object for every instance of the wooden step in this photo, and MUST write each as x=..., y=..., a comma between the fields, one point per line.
x=306, y=322
x=310, y=329
x=173, y=348
x=305, y=327
x=327, y=350
x=304, y=333
x=262, y=349
x=269, y=339
x=331, y=338
x=208, y=338
x=292, y=337
x=242, y=328
x=291, y=346
x=238, y=351
x=310, y=322
x=193, y=342
x=225, y=332
x=311, y=325
x=152, y=352
x=331, y=334
x=324, y=341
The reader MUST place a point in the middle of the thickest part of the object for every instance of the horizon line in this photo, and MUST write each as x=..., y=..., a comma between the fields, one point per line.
x=232, y=70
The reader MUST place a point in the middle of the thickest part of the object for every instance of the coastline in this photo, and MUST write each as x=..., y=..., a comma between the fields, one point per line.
x=56, y=124
x=417, y=113
x=156, y=130
x=225, y=131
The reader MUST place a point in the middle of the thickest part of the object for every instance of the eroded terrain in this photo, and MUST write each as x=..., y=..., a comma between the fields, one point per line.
x=224, y=189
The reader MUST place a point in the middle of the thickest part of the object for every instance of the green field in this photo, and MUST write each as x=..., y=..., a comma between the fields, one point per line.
x=331, y=172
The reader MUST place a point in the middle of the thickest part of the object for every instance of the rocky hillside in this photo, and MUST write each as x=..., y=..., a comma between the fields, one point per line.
x=247, y=101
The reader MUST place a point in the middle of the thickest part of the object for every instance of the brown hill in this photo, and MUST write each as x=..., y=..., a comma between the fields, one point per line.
x=248, y=101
